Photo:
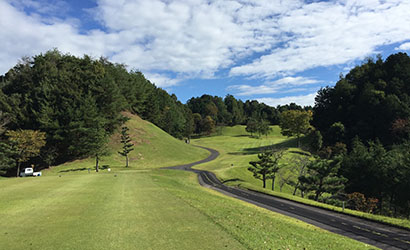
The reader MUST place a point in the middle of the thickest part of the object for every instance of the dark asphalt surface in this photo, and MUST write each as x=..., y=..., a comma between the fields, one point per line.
x=372, y=233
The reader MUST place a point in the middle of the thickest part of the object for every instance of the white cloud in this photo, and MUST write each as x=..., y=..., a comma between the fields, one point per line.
x=161, y=80
x=303, y=100
x=404, y=46
x=197, y=38
x=330, y=33
x=283, y=85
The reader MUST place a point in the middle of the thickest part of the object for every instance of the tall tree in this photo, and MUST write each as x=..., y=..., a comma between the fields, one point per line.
x=7, y=161
x=251, y=126
x=27, y=144
x=263, y=128
x=276, y=155
x=208, y=125
x=295, y=123
x=127, y=146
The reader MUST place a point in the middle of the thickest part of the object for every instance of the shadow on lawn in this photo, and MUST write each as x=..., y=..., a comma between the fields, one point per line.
x=244, y=136
x=72, y=170
x=232, y=180
x=292, y=143
x=83, y=169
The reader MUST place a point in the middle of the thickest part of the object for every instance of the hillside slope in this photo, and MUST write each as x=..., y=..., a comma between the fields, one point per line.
x=153, y=148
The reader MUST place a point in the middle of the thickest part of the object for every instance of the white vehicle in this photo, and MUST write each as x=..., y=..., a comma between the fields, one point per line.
x=29, y=172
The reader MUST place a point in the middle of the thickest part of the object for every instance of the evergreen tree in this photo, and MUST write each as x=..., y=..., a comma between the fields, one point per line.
x=276, y=155
x=266, y=167
x=322, y=176
x=7, y=161
x=127, y=146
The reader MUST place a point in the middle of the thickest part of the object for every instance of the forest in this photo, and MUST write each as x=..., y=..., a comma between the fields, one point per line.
x=367, y=115
x=361, y=124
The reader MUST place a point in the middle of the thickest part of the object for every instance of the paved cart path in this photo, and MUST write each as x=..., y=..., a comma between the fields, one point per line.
x=373, y=233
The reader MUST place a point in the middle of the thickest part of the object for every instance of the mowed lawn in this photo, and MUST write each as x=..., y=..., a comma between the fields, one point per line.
x=237, y=148
x=151, y=209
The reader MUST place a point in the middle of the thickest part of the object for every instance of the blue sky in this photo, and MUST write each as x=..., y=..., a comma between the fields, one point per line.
x=274, y=51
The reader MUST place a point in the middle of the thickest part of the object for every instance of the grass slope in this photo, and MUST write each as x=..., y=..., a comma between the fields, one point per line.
x=153, y=209
x=153, y=148
x=237, y=148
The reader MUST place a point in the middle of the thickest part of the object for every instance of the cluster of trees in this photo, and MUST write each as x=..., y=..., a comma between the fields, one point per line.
x=213, y=110
x=371, y=101
x=366, y=118
x=77, y=103
x=360, y=139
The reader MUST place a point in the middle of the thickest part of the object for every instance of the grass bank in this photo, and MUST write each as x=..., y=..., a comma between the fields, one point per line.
x=153, y=148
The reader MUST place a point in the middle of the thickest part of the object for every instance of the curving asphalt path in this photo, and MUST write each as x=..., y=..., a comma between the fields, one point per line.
x=369, y=232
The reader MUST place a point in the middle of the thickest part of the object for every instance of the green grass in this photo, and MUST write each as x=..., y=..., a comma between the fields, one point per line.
x=237, y=148
x=153, y=149
x=150, y=209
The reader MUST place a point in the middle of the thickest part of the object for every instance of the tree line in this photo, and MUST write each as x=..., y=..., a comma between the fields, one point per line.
x=366, y=117
x=211, y=111
x=77, y=103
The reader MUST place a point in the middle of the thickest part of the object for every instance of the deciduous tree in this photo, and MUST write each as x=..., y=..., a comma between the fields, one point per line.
x=27, y=144
x=295, y=123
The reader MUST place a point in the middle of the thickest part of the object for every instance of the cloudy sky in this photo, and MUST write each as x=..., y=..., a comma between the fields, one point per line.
x=274, y=51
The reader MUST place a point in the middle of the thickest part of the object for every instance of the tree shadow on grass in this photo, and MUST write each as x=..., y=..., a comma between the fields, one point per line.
x=243, y=136
x=83, y=169
x=291, y=143
x=72, y=170
x=232, y=180
x=299, y=153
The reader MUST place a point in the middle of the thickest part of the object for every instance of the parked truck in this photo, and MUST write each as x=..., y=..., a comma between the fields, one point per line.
x=29, y=172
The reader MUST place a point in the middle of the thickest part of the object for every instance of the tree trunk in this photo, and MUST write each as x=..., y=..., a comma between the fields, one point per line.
x=96, y=163
x=18, y=168
x=317, y=195
x=264, y=181
x=126, y=160
x=296, y=188
x=273, y=183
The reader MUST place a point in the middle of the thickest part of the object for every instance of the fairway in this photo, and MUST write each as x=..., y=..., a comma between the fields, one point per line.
x=155, y=209
x=237, y=148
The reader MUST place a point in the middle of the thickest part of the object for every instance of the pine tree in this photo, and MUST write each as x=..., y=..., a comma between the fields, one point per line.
x=266, y=167
x=322, y=177
x=127, y=146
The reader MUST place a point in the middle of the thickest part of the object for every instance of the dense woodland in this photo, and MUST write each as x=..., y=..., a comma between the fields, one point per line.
x=359, y=130
x=367, y=113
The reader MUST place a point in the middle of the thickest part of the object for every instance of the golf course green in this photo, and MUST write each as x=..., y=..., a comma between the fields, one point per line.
x=144, y=207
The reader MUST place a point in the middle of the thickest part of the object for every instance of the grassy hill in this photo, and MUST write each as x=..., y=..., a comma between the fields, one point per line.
x=153, y=148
